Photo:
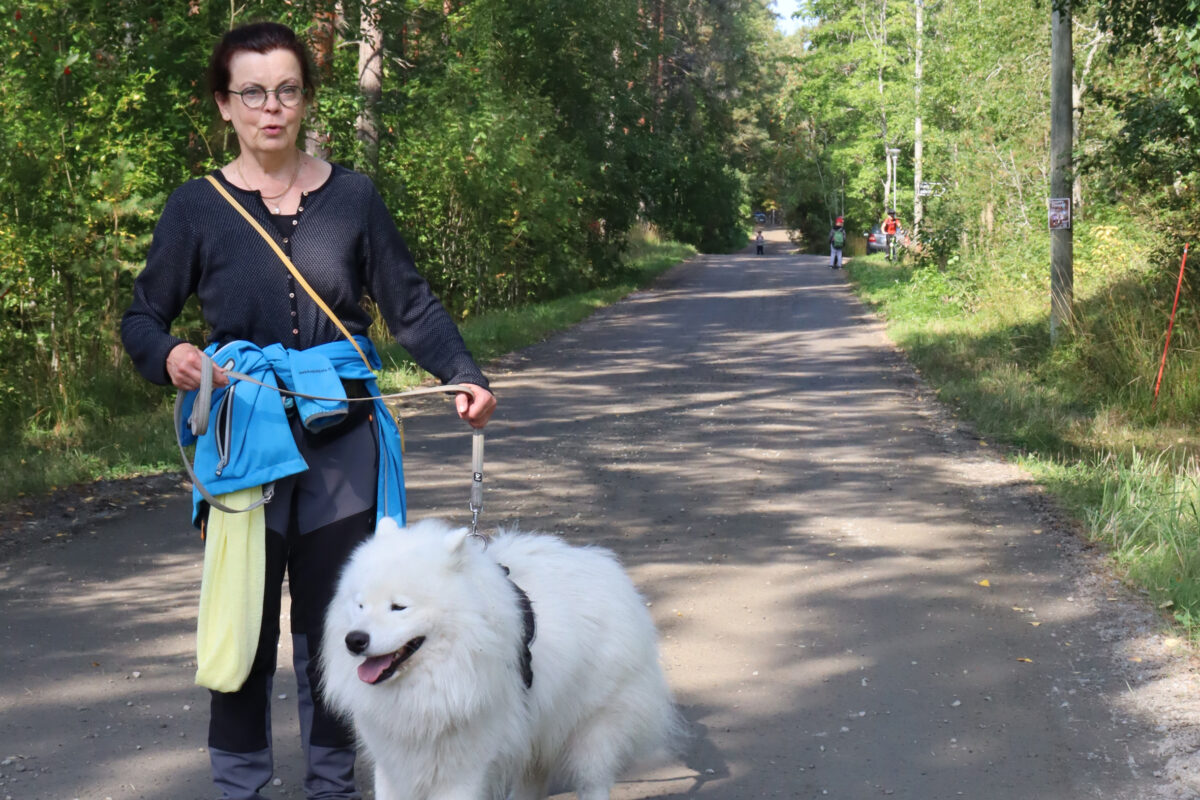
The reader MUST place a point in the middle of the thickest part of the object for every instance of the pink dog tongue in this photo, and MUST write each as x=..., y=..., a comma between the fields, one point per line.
x=370, y=670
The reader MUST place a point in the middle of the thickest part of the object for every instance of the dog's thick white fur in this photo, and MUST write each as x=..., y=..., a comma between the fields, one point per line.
x=423, y=651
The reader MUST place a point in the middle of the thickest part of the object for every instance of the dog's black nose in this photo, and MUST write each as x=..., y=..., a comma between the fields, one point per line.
x=357, y=642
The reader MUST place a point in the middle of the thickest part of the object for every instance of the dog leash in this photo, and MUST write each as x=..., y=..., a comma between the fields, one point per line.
x=198, y=424
x=476, y=502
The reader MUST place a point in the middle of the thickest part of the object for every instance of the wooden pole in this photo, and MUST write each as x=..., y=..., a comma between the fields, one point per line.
x=918, y=201
x=1062, y=277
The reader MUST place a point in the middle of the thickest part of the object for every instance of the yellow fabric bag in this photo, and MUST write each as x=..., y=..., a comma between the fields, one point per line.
x=231, y=593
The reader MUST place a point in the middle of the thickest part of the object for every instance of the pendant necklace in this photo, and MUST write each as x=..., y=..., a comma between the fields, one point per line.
x=269, y=199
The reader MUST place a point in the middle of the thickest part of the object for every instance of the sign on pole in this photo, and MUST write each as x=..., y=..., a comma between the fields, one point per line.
x=1060, y=213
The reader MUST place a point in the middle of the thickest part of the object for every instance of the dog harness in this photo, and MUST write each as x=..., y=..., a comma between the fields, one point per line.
x=529, y=625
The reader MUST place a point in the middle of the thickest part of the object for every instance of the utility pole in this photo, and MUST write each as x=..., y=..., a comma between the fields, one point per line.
x=918, y=202
x=1062, y=275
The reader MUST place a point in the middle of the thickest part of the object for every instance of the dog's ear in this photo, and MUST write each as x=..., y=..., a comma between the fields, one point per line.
x=387, y=526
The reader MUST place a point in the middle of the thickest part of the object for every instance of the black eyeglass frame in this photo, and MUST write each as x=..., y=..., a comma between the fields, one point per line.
x=301, y=94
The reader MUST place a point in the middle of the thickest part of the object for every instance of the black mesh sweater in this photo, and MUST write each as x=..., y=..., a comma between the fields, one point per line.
x=342, y=240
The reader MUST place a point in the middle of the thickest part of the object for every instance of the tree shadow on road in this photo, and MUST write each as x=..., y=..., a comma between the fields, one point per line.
x=845, y=580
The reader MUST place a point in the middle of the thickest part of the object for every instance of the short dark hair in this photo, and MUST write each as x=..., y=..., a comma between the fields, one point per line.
x=258, y=37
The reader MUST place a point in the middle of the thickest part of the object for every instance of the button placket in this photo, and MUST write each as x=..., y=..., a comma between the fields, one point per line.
x=293, y=306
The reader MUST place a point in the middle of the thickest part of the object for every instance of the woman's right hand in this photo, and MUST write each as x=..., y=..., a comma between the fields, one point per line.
x=184, y=363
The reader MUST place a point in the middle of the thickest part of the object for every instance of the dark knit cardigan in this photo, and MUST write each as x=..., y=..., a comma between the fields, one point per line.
x=343, y=241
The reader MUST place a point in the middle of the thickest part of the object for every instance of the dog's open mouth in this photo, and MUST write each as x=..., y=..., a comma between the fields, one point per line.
x=380, y=668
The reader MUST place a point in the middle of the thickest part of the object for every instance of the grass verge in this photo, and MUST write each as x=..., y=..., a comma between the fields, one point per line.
x=1080, y=416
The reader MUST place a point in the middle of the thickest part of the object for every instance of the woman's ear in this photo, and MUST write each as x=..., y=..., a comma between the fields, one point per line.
x=223, y=106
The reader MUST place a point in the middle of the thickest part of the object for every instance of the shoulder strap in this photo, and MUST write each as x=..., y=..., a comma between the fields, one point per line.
x=287, y=262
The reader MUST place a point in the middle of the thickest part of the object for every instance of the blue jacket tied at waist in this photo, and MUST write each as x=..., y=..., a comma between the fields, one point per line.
x=249, y=440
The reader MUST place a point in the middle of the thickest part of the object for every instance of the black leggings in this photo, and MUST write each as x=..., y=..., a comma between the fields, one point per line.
x=240, y=721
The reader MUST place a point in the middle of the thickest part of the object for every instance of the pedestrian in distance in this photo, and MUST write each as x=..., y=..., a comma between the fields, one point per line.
x=837, y=241
x=327, y=473
x=891, y=228
x=760, y=244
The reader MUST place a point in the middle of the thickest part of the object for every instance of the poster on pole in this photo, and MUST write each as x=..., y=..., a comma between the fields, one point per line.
x=1060, y=213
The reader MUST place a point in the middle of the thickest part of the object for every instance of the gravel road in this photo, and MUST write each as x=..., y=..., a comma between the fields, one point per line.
x=857, y=596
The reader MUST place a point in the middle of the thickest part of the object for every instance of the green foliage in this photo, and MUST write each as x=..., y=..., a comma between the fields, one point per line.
x=520, y=141
x=852, y=97
x=848, y=102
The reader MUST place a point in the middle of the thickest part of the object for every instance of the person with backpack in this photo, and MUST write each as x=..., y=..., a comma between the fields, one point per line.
x=760, y=244
x=837, y=240
x=891, y=227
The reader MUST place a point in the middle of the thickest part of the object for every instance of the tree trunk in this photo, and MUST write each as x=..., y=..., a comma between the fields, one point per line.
x=1077, y=89
x=370, y=83
x=316, y=140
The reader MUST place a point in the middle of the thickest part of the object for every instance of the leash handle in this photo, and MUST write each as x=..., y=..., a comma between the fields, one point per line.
x=198, y=421
x=476, y=504
x=268, y=490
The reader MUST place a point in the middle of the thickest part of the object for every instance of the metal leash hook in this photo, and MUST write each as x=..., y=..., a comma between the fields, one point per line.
x=476, y=504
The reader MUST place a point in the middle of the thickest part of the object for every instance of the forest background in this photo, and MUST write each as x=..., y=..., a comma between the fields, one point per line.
x=525, y=148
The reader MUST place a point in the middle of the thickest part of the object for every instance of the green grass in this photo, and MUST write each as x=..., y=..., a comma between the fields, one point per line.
x=1149, y=514
x=1081, y=416
x=114, y=435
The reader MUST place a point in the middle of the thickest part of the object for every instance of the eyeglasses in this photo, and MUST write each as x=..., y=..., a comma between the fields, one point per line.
x=289, y=96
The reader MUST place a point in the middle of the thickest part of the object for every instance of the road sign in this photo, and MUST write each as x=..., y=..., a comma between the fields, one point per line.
x=930, y=189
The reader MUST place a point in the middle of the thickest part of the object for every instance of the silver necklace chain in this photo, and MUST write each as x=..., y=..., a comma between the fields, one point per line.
x=266, y=197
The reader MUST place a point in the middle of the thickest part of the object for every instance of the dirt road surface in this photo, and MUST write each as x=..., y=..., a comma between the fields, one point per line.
x=857, y=597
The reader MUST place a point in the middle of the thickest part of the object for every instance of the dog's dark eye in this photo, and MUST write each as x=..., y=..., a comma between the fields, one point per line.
x=398, y=607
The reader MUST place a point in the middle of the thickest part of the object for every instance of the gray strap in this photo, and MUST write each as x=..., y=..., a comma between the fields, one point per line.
x=268, y=491
x=198, y=421
x=476, y=504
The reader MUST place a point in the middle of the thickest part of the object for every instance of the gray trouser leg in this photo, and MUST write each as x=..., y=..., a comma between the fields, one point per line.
x=330, y=774
x=239, y=776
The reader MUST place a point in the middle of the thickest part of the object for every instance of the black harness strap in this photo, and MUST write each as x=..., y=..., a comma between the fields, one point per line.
x=529, y=632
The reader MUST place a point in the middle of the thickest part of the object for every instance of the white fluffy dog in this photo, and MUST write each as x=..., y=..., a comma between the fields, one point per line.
x=473, y=673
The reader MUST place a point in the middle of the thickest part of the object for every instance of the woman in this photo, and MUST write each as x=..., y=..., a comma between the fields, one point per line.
x=333, y=225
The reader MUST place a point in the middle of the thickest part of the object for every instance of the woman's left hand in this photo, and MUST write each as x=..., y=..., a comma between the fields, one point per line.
x=477, y=407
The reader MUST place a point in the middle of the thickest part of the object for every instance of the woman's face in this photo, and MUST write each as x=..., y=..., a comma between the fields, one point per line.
x=273, y=127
